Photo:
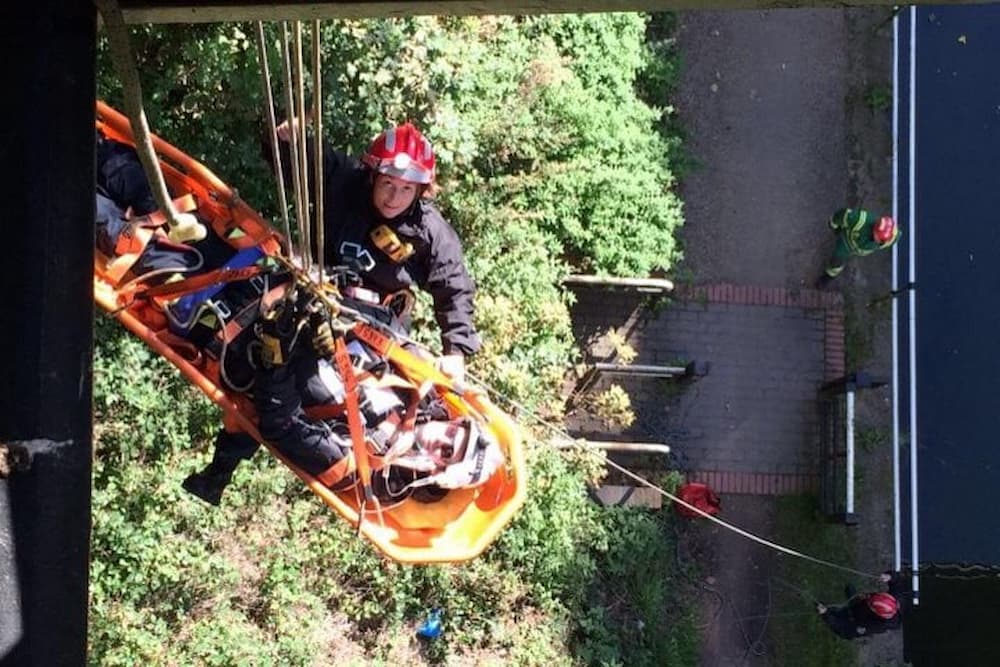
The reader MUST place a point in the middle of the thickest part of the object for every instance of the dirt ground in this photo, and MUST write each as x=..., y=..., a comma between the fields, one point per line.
x=782, y=130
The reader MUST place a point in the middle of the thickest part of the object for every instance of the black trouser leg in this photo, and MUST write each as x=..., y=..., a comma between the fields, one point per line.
x=230, y=449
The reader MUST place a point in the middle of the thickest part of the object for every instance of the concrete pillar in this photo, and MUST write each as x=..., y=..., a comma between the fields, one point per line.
x=46, y=330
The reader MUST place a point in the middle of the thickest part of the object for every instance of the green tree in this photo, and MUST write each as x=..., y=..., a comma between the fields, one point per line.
x=550, y=162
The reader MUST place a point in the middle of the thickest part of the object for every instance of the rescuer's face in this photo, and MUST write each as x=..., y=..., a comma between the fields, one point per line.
x=392, y=196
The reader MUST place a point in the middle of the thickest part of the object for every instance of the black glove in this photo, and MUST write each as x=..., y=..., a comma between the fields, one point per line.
x=277, y=330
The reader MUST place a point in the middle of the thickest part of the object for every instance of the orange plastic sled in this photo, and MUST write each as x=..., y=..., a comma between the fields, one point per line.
x=457, y=527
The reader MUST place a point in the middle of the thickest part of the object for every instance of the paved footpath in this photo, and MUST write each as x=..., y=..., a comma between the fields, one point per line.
x=751, y=424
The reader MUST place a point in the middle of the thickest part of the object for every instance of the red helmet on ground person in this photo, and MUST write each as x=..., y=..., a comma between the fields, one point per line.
x=404, y=153
x=885, y=229
x=883, y=605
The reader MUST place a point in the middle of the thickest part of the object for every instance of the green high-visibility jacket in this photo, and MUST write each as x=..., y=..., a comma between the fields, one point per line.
x=855, y=226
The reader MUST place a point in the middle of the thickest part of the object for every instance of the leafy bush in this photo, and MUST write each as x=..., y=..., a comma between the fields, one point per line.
x=549, y=163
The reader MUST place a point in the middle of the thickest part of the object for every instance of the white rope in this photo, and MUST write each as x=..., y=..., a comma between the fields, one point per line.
x=318, y=149
x=293, y=143
x=302, y=163
x=273, y=132
x=645, y=482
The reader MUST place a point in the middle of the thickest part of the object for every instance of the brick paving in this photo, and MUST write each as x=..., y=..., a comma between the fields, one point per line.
x=751, y=425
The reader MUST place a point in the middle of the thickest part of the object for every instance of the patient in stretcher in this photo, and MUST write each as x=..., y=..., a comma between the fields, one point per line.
x=299, y=396
x=425, y=452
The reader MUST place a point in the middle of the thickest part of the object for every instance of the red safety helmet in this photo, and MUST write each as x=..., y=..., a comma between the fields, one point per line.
x=885, y=229
x=404, y=153
x=700, y=496
x=883, y=605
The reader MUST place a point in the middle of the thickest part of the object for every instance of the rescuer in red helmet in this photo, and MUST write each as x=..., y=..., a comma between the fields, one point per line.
x=379, y=221
x=865, y=613
x=859, y=232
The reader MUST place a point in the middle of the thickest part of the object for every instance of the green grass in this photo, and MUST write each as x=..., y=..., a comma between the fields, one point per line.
x=801, y=639
x=878, y=97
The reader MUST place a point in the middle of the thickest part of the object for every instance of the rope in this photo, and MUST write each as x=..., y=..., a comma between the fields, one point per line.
x=318, y=148
x=272, y=134
x=302, y=163
x=666, y=494
x=293, y=142
x=645, y=482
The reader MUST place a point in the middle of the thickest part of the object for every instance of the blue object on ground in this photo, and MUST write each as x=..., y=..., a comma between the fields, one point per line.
x=431, y=628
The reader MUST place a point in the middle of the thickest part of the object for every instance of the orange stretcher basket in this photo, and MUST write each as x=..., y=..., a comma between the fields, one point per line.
x=459, y=526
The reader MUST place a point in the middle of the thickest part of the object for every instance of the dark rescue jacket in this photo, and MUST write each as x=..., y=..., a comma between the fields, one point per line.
x=436, y=265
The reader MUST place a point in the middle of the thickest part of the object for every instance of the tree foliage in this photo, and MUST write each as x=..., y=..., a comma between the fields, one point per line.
x=549, y=163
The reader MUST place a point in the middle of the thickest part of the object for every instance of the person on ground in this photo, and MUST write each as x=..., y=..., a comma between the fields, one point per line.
x=379, y=220
x=865, y=614
x=859, y=233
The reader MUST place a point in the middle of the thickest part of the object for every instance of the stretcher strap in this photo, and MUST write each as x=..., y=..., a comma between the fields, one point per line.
x=183, y=204
x=238, y=324
x=195, y=283
x=188, y=350
x=325, y=412
x=136, y=236
x=128, y=248
x=337, y=471
x=343, y=362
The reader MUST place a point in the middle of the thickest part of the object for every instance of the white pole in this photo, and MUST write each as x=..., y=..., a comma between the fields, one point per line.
x=897, y=541
x=914, y=496
x=850, y=453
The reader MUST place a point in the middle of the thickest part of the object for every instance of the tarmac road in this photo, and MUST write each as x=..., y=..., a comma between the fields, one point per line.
x=773, y=105
x=762, y=97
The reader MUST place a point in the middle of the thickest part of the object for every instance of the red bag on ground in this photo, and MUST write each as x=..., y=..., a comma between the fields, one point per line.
x=699, y=495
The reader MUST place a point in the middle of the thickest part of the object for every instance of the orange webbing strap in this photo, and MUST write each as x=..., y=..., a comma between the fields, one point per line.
x=195, y=283
x=129, y=246
x=346, y=370
x=414, y=367
x=184, y=204
x=337, y=471
x=324, y=412
x=137, y=235
x=236, y=325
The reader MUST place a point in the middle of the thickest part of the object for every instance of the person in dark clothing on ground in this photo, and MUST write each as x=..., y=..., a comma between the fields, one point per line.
x=379, y=220
x=865, y=614
x=859, y=233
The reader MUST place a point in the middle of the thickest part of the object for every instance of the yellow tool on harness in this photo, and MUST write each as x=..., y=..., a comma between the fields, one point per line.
x=388, y=242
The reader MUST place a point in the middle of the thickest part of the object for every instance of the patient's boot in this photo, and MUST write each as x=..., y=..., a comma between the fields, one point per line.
x=212, y=481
